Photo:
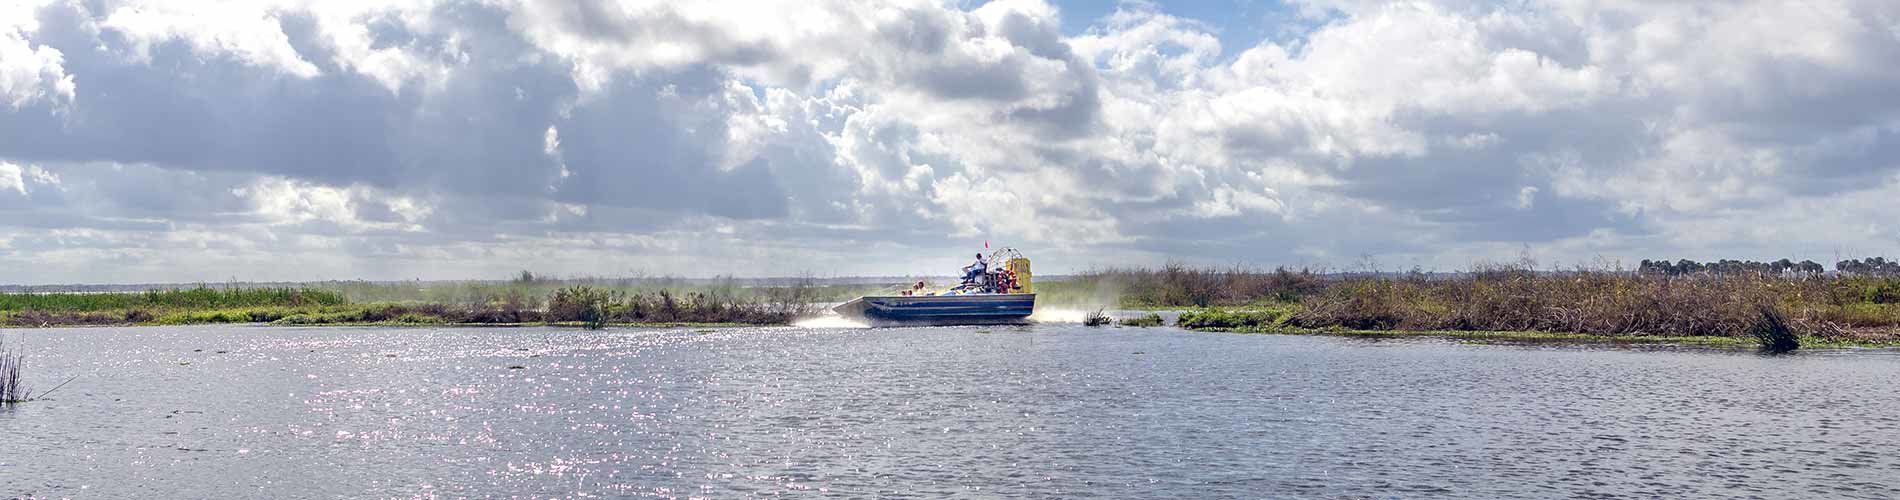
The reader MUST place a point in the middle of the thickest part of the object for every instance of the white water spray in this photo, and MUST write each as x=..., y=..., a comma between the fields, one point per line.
x=829, y=321
x=1051, y=315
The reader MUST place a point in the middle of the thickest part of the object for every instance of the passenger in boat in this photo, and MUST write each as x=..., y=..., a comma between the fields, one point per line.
x=970, y=272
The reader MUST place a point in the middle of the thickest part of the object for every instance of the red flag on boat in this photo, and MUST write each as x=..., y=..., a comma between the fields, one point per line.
x=986, y=244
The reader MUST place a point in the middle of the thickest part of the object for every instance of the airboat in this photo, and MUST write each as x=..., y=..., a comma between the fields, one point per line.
x=1000, y=294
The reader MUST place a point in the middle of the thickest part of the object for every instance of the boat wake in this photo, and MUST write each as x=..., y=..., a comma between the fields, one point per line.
x=829, y=321
x=1058, y=315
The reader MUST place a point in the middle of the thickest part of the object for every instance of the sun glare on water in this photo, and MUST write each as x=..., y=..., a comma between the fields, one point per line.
x=829, y=321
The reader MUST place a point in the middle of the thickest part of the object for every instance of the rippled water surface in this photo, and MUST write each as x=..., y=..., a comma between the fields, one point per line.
x=1008, y=411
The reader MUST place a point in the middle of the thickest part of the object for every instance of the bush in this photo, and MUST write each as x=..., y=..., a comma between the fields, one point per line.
x=580, y=303
x=1885, y=291
x=138, y=316
x=1772, y=333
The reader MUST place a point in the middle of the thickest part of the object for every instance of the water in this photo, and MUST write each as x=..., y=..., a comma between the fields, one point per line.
x=1050, y=411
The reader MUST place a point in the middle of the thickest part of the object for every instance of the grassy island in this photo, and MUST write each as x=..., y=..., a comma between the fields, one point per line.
x=1746, y=306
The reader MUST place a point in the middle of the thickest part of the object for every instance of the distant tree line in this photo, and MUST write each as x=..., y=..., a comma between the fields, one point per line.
x=1871, y=266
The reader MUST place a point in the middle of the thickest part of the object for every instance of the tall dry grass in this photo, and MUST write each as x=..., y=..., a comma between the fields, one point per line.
x=1505, y=298
x=1179, y=285
x=597, y=307
x=1518, y=297
x=169, y=299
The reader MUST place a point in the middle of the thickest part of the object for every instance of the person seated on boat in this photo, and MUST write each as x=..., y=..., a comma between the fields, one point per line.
x=970, y=272
x=917, y=288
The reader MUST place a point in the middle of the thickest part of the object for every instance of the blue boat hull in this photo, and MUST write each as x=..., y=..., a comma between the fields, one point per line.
x=986, y=309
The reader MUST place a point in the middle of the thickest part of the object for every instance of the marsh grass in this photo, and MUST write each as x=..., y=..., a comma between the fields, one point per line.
x=1495, y=336
x=514, y=303
x=1255, y=319
x=188, y=298
x=1777, y=311
x=11, y=361
x=1178, y=285
x=1601, y=303
x=530, y=292
x=598, y=307
x=1144, y=321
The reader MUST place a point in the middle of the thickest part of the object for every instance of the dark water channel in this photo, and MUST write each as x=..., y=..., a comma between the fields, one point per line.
x=1049, y=411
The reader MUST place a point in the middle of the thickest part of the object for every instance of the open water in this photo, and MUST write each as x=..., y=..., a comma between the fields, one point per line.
x=1045, y=411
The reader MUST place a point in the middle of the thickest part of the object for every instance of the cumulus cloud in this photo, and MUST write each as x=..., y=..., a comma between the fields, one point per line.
x=456, y=138
x=29, y=72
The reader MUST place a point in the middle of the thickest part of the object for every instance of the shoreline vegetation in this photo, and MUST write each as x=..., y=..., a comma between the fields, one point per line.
x=1779, y=306
x=592, y=303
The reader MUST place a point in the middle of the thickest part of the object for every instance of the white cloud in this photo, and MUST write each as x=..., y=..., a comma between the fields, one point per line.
x=10, y=178
x=29, y=72
x=1438, y=132
x=26, y=179
x=279, y=201
x=249, y=31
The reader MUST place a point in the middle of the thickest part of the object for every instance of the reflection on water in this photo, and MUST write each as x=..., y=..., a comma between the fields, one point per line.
x=1050, y=410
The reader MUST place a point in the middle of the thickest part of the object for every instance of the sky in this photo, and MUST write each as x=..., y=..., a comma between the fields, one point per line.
x=289, y=140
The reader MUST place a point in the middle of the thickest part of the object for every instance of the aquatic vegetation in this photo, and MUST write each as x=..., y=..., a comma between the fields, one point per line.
x=530, y=291
x=589, y=305
x=1599, y=302
x=1144, y=321
x=1097, y=318
x=1584, y=302
x=60, y=318
x=574, y=304
x=256, y=315
x=410, y=314
x=12, y=390
x=1178, y=285
x=191, y=298
x=1233, y=319
x=10, y=364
